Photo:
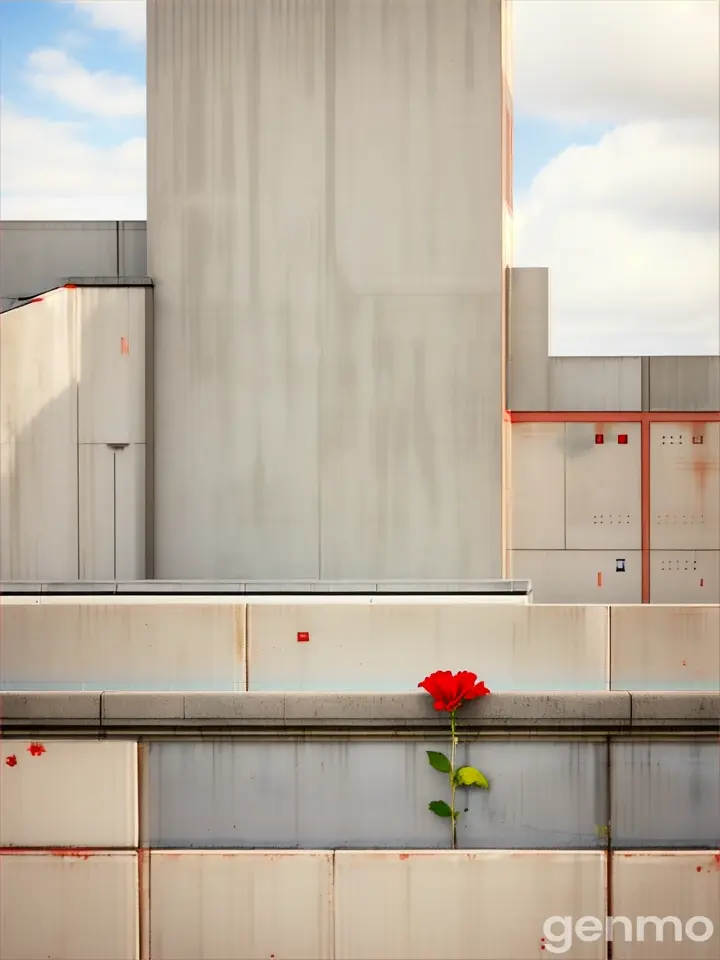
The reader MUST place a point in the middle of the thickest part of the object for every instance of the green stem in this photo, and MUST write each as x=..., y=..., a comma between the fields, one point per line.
x=452, y=779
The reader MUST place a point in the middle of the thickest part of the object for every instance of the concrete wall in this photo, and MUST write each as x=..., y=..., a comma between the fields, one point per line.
x=38, y=256
x=538, y=382
x=354, y=645
x=73, y=430
x=96, y=891
x=325, y=236
x=583, y=510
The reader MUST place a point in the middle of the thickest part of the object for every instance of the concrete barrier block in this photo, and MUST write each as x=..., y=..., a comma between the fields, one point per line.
x=241, y=904
x=389, y=648
x=153, y=708
x=489, y=905
x=676, y=887
x=121, y=643
x=675, y=709
x=665, y=647
x=50, y=708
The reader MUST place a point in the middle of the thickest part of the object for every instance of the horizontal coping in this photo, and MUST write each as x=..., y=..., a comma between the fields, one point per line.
x=617, y=710
x=272, y=587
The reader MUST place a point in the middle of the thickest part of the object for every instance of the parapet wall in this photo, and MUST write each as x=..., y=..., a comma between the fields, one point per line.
x=349, y=644
x=311, y=842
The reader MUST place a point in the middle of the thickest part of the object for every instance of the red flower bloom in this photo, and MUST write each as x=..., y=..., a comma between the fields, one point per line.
x=451, y=690
x=11, y=761
x=36, y=749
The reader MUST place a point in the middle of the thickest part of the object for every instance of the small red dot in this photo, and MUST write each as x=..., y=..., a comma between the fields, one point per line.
x=11, y=761
x=698, y=869
x=303, y=637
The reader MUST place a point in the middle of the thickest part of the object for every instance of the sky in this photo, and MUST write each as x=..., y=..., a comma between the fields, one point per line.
x=616, y=151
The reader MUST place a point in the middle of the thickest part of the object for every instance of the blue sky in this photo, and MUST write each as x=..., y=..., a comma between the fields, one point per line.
x=616, y=157
x=28, y=25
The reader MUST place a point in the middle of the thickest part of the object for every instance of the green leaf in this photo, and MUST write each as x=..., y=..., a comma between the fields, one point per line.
x=470, y=777
x=440, y=808
x=438, y=761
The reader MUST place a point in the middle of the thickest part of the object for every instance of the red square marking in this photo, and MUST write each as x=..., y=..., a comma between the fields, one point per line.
x=599, y=438
x=303, y=637
x=622, y=438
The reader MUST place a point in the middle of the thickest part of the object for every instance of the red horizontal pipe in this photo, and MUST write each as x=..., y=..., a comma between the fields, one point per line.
x=614, y=416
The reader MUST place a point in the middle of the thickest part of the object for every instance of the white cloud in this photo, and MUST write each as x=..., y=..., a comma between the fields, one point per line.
x=127, y=17
x=581, y=61
x=51, y=172
x=101, y=92
x=628, y=226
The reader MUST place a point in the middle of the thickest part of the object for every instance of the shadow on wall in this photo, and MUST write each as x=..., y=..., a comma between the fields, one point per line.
x=72, y=416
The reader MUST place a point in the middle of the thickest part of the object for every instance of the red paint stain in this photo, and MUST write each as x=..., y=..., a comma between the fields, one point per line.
x=11, y=761
x=36, y=750
x=716, y=860
x=404, y=856
x=72, y=854
x=684, y=663
x=698, y=869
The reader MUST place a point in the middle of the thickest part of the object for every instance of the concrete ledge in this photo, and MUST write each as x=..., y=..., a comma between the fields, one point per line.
x=50, y=708
x=675, y=709
x=616, y=711
x=297, y=711
x=364, y=710
x=292, y=588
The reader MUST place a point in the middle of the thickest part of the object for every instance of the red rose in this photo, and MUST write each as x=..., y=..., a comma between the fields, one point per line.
x=451, y=690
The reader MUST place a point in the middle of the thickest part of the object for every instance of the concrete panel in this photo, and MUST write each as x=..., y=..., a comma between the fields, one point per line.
x=108, y=644
x=685, y=383
x=132, y=248
x=538, y=486
x=400, y=443
x=112, y=512
x=461, y=906
x=595, y=383
x=280, y=374
x=57, y=793
x=528, y=367
x=685, y=486
x=111, y=364
x=665, y=648
x=130, y=493
x=37, y=255
x=682, y=885
x=665, y=794
x=38, y=423
x=237, y=248
x=602, y=486
x=581, y=576
x=414, y=336
x=685, y=576
x=69, y=906
x=96, y=501
x=221, y=906
x=349, y=795
x=369, y=647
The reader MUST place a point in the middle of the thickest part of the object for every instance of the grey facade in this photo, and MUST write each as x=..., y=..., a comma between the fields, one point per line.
x=325, y=237
x=37, y=256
